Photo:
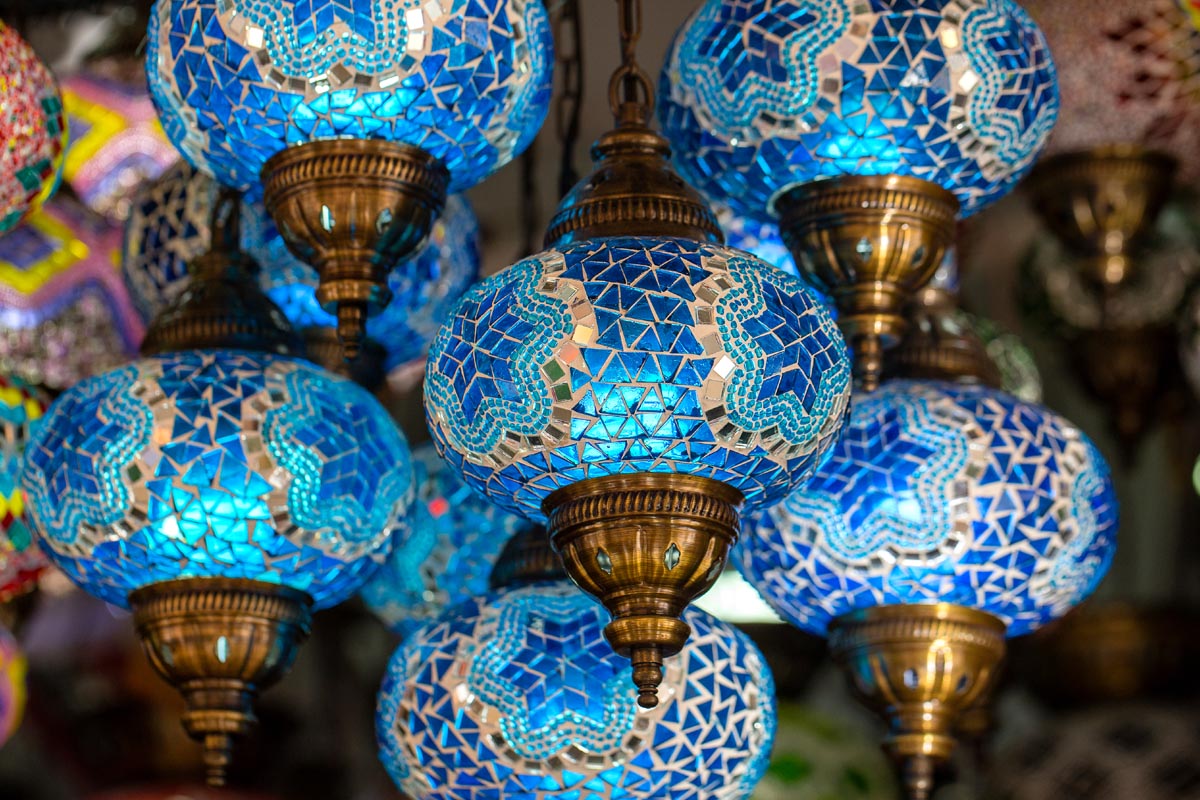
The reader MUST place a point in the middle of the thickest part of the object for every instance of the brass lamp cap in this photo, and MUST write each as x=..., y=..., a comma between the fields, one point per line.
x=940, y=345
x=527, y=558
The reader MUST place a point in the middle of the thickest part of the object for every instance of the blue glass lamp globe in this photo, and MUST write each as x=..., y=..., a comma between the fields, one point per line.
x=447, y=553
x=940, y=492
x=218, y=464
x=761, y=96
x=626, y=355
x=517, y=695
x=237, y=81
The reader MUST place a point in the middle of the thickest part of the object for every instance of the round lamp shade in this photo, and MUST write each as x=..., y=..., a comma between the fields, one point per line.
x=21, y=561
x=218, y=464
x=33, y=132
x=236, y=82
x=12, y=685
x=446, y=557
x=64, y=311
x=116, y=142
x=760, y=97
x=940, y=492
x=518, y=695
x=1148, y=93
x=625, y=355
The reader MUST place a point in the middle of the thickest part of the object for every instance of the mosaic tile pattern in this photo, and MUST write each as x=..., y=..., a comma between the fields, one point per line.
x=518, y=695
x=33, y=132
x=446, y=557
x=169, y=227
x=236, y=81
x=64, y=311
x=12, y=685
x=21, y=561
x=761, y=95
x=115, y=141
x=940, y=493
x=1148, y=92
x=209, y=463
x=631, y=355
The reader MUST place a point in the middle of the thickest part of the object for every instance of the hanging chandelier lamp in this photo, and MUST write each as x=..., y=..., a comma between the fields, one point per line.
x=636, y=382
x=356, y=118
x=21, y=561
x=221, y=488
x=865, y=129
x=516, y=694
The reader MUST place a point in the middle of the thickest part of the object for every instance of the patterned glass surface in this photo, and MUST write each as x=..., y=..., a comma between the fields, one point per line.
x=759, y=96
x=517, y=695
x=628, y=355
x=446, y=557
x=757, y=237
x=169, y=227
x=115, y=141
x=12, y=685
x=218, y=464
x=237, y=81
x=939, y=492
x=33, y=132
x=21, y=561
x=64, y=311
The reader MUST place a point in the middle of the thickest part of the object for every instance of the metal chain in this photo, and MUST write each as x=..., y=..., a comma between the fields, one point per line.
x=630, y=92
x=569, y=106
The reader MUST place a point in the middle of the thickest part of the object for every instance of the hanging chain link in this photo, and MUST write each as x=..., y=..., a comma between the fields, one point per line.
x=568, y=39
x=630, y=92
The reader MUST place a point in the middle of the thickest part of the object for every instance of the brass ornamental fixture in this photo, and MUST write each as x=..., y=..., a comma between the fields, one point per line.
x=869, y=242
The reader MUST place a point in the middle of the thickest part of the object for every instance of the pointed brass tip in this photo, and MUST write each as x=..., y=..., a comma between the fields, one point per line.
x=352, y=328
x=868, y=362
x=218, y=754
x=647, y=674
x=919, y=777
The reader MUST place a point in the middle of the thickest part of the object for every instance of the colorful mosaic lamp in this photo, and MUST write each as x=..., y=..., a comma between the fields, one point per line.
x=12, y=685
x=356, y=117
x=33, y=134
x=516, y=694
x=168, y=227
x=635, y=383
x=948, y=515
x=21, y=560
x=1126, y=129
x=864, y=128
x=221, y=488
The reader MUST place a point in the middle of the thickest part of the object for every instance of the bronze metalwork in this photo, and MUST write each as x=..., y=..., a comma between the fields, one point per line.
x=869, y=242
x=1102, y=204
x=323, y=347
x=354, y=209
x=646, y=545
x=528, y=558
x=919, y=667
x=220, y=641
x=939, y=345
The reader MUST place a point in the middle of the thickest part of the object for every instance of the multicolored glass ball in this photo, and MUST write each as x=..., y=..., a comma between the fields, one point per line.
x=21, y=561
x=518, y=695
x=33, y=133
x=218, y=464
x=237, y=81
x=759, y=96
x=12, y=685
x=446, y=557
x=623, y=355
x=940, y=492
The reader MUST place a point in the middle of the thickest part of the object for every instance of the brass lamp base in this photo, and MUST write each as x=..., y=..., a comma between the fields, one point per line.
x=354, y=209
x=919, y=667
x=1102, y=203
x=870, y=241
x=938, y=346
x=323, y=347
x=645, y=545
x=220, y=641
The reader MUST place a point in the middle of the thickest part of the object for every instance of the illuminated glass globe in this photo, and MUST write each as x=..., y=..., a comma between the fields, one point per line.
x=218, y=464
x=237, y=82
x=636, y=355
x=760, y=97
x=517, y=695
x=447, y=552
x=940, y=492
x=21, y=561
x=12, y=685
x=33, y=134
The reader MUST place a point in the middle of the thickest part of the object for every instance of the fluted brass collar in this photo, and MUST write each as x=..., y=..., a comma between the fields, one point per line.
x=528, y=558
x=939, y=344
x=633, y=191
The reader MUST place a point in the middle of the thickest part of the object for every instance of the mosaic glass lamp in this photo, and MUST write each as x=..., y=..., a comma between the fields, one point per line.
x=447, y=553
x=21, y=560
x=33, y=132
x=356, y=118
x=516, y=694
x=948, y=515
x=864, y=128
x=221, y=488
x=12, y=685
x=64, y=311
x=1126, y=129
x=635, y=383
